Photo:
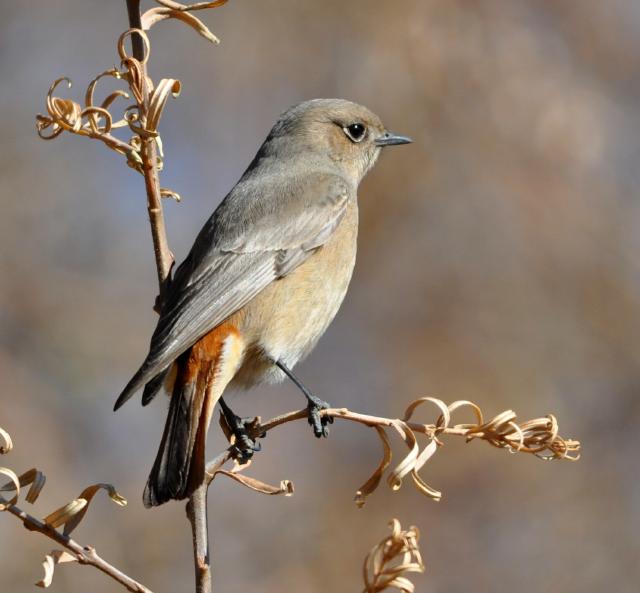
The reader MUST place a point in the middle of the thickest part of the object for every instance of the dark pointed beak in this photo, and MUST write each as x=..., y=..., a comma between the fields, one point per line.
x=390, y=139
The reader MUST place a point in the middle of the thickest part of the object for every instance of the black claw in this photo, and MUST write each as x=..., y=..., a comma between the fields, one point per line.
x=318, y=422
x=244, y=446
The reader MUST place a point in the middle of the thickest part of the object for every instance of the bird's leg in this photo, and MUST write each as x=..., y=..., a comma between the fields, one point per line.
x=314, y=404
x=245, y=446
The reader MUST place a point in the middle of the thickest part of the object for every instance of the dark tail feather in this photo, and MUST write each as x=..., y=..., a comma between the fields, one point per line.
x=179, y=465
x=152, y=387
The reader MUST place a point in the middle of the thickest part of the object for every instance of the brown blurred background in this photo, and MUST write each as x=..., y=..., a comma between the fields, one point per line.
x=498, y=263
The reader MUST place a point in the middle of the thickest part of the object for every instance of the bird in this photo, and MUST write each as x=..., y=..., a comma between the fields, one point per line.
x=264, y=279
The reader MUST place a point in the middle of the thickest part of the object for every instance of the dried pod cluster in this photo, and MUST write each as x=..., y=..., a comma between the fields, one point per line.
x=142, y=117
x=388, y=563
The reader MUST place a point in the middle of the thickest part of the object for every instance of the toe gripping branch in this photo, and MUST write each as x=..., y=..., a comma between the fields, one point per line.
x=244, y=446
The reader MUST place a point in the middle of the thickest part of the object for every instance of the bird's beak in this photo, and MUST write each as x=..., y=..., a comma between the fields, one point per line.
x=390, y=139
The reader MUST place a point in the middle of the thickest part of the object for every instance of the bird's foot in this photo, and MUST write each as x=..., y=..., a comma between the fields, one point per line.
x=243, y=446
x=318, y=423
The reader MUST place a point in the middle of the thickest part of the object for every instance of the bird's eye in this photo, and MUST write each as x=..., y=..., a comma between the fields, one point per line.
x=355, y=131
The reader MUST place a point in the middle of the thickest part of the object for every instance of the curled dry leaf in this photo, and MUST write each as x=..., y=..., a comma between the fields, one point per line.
x=49, y=564
x=181, y=12
x=122, y=50
x=388, y=562
x=285, y=487
x=156, y=15
x=157, y=101
x=13, y=484
x=192, y=6
x=534, y=436
x=72, y=513
x=169, y=193
x=87, y=495
x=33, y=478
x=63, y=514
x=7, y=443
x=372, y=483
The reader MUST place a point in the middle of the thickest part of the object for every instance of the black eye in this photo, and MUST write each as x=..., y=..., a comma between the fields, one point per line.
x=356, y=131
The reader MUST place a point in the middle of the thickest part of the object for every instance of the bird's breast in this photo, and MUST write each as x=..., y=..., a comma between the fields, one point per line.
x=287, y=318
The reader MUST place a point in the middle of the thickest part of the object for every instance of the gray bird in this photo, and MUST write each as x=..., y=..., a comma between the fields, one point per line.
x=262, y=282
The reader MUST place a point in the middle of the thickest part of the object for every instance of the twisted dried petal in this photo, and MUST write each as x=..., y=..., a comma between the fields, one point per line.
x=135, y=77
x=8, y=443
x=32, y=477
x=286, y=486
x=43, y=123
x=112, y=73
x=155, y=15
x=72, y=513
x=158, y=99
x=111, y=98
x=372, y=483
x=87, y=495
x=424, y=456
x=193, y=6
x=169, y=193
x=443, y=422
x=49, y=564
x=93, y=115
x=463, y=403
x=65, y=113
x=122, y=51
x=406, y=465
x=13, y=484
x=65, y=513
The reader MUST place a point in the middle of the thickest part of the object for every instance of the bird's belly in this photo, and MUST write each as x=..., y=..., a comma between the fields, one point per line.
x=286, y=319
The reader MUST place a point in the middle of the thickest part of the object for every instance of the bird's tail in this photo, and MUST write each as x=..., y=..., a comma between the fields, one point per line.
x=202, y=375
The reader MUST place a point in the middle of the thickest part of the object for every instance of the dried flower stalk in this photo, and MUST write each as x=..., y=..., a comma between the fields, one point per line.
x=539, y=437
x=67, y=516
x=389, y=561
x=143, y=149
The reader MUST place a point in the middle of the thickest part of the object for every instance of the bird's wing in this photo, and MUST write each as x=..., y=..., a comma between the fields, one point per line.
x=255, y=237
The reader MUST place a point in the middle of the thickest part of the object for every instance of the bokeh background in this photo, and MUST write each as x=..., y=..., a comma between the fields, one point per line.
x=498, y=262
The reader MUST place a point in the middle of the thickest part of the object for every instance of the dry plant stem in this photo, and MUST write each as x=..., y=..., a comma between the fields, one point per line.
x=197, y=505
x=84, y=554
x=148, y=153
x=197, y=515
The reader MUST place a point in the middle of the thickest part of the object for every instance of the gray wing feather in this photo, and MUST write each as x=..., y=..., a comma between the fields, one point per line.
x=256, y=236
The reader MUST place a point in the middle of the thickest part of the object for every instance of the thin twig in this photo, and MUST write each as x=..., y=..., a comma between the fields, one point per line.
x=83, y=554
x=149, y=154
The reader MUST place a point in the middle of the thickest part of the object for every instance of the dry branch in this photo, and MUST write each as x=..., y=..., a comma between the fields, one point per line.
x=539, y=437
x=68, y=516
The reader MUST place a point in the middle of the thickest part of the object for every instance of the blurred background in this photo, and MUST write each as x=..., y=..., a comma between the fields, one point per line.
x=498, y=262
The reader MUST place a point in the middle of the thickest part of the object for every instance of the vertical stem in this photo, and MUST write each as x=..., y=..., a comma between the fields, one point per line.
x=197, y=505
x=149, y=155
x=197, y=514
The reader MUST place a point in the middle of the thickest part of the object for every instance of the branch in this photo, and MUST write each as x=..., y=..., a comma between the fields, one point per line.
x=197, y=505
x=68, y=516
x=539, y=437
x=82, y=554
x=149, y=154
x=197, y=515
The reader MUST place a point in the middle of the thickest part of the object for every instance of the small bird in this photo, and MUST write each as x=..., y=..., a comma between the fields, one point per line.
x=264, y=279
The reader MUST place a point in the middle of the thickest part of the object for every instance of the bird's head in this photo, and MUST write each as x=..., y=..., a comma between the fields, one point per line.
x=348, y=134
